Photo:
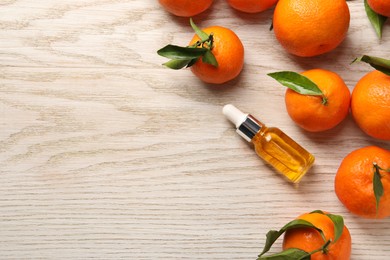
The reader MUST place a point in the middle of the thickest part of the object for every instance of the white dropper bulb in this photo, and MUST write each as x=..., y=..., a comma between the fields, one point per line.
x=234, y=115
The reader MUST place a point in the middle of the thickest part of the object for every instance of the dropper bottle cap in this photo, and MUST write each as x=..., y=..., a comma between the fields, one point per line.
x=247, y=126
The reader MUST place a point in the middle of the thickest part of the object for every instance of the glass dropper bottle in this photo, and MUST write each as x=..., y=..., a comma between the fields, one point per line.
x=272, y=145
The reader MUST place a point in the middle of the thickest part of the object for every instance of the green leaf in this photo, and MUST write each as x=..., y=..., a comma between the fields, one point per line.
x=317, y=211
x=338, y=223
x=181, y=53
x=383, y=65
x=273, y=235
x=187, y=56
x=192, y=62
x=201, y=34
x=297, y=82
x=209, y=58
x=378, y=186
x=375, y=19
x=288, y=254
x=177, y=64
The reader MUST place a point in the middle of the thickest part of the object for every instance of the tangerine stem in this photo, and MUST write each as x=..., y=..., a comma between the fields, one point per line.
x=324, y=100
x=380, y=168
x=208, y=43
x=211, y=39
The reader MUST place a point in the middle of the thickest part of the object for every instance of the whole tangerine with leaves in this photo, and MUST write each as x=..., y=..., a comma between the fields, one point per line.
x=362, y=182
x=229, y=53
x=315, y=235
x=370, y=104
x=309, y=28
x=316, y=100
x=252, y=6
x=381, y=7
x=310, y=240
x=215, y=54
x=185, y=8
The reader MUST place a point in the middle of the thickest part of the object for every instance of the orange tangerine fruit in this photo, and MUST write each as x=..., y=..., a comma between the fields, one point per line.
x=310, y=112
x=229, y=53
x=354, y=182
x=380, y=6
x=309, y=239
x=185, y=8
x=252, y=6
x=370, y=104
x=310, y=27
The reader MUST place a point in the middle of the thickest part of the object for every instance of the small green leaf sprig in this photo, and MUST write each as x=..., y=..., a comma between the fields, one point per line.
x=299, y=83
x=296, y=253
x=181, y=57
x=375, y=19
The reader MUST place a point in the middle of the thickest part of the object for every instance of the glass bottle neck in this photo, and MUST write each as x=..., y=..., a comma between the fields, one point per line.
x=249, y=128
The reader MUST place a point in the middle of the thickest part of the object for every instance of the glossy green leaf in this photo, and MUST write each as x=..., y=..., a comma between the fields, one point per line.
x=181, y=57
x=338, y=223
x=177, y=64
x=380, y=64
x=375, y=19
x=288, y=254
x=175, y=52
x=201, y=34
x=192, y=62
x=317, y=211
x=209, y=58
x=273, y=235
x=377, y=185
x=297, y=82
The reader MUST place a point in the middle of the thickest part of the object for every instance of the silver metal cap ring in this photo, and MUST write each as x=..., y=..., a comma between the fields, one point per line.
x=249, y=128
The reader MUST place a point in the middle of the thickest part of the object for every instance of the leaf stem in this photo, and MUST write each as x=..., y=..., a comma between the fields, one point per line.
x=324, y=249
x=383, y=65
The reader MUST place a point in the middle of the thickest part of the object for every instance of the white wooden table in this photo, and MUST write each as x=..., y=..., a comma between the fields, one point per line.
x=106, y=154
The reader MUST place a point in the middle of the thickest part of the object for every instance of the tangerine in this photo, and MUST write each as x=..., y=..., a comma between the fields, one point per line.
x=252, y=6
x=370, y=104
x=185, y=8
x=309, y=239
x=310, y=27
x=229, y=53
x=310, y=112
x=380, y=6
x=354, y=182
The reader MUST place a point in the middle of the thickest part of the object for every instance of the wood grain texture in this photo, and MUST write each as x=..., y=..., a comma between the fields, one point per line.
x=105, y=154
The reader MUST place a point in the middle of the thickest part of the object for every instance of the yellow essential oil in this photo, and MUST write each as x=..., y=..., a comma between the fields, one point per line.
x=272, y=145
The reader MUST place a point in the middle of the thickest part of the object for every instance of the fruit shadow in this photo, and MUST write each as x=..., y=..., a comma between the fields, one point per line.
x=347, y=132
x=324, y=137
x=375, y=228
x=227, y=86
